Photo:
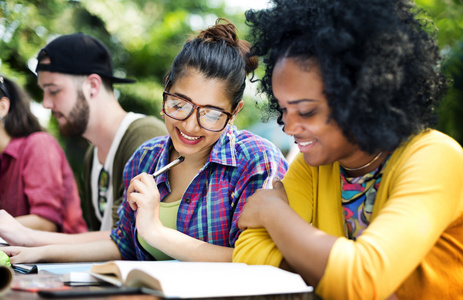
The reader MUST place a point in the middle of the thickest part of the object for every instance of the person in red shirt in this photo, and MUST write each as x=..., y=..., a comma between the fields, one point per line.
x=37, y=185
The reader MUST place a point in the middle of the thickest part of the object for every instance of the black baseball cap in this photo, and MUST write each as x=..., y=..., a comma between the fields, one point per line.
x=79, y=54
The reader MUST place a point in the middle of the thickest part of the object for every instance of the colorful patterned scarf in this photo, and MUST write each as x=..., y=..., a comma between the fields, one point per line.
x=358, y=197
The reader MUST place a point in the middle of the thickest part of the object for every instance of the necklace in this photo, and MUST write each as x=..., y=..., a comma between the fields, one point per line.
x=365, y=165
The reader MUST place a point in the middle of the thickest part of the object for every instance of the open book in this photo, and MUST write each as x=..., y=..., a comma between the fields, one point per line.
x=174, y=279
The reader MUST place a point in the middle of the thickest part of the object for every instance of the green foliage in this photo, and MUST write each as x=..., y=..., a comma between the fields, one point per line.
x=143, y=36
x=451, y=109
x=447, y=18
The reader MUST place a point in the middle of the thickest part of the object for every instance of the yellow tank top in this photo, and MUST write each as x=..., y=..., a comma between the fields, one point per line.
x=168, y=216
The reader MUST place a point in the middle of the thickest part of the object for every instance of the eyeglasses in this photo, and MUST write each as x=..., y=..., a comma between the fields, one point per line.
x=3, y=88
x=103, y=184
x=180, y=109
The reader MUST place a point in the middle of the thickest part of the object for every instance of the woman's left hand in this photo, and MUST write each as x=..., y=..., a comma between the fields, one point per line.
x=259, y=205
x=143, y=197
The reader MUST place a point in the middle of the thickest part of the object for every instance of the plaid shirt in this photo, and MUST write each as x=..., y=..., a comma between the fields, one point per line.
x=239, y=164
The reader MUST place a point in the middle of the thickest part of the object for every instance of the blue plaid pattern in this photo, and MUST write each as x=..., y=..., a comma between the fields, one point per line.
x=239, y=164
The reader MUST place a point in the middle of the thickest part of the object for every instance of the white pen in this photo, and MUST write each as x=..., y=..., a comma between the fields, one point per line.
x=167, y=168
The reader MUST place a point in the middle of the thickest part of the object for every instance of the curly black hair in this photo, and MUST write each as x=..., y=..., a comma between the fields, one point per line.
x=379, y=61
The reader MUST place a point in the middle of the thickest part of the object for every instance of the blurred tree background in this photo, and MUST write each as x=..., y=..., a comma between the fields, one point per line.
x=448, y=18
x=145, y=35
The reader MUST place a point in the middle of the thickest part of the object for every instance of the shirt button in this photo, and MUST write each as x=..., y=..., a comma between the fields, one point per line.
x=187, y=200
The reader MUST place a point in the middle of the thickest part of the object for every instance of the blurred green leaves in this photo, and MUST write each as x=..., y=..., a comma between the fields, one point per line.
x=448, y=18
x=145, y=35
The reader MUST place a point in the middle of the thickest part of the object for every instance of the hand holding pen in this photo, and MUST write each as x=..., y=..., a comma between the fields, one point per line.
x=169, y=166
x=144, y=198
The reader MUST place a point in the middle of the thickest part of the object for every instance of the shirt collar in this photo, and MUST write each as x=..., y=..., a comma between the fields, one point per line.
x=224, y=151
x=14, y=146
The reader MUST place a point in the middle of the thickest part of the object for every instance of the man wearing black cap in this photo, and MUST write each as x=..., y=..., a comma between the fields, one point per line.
x=76, y=75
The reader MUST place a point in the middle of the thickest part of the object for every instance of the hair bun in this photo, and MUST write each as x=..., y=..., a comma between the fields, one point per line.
x=252, y=61
x=226, y=32
x=220, y=32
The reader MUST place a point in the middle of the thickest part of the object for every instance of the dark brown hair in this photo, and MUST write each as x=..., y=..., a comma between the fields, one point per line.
x=217, y=53
x=19, y=121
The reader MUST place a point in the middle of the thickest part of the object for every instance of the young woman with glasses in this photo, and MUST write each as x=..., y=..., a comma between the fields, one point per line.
x=190, y=212
x=37, y=186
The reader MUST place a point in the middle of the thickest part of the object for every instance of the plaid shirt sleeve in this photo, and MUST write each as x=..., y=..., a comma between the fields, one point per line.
x=124, y=234
x=240, y=163
x=259, y=162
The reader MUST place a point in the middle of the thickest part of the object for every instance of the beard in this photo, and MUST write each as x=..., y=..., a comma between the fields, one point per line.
x=77, y=120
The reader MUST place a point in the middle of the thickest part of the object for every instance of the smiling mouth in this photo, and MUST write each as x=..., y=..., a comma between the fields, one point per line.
x=304, y=143
x=190, y=138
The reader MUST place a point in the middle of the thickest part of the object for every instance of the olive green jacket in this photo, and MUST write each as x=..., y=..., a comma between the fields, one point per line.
x=138, y=132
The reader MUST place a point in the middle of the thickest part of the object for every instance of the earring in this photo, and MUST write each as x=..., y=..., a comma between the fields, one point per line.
x=2, y=120
x=162, y=114
x=232, y=121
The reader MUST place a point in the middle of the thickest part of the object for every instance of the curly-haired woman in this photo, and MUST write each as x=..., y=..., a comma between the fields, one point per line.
x=376, y=196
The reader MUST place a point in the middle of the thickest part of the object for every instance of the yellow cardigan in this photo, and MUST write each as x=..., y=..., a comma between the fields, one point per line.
x=413, y=246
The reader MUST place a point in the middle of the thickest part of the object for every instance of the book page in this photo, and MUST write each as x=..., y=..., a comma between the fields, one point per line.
x=116, y=272
x=199, y=279
x=116, y=269
x=121, y=268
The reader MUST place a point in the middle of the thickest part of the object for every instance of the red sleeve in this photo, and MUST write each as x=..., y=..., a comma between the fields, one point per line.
x=43, y=177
